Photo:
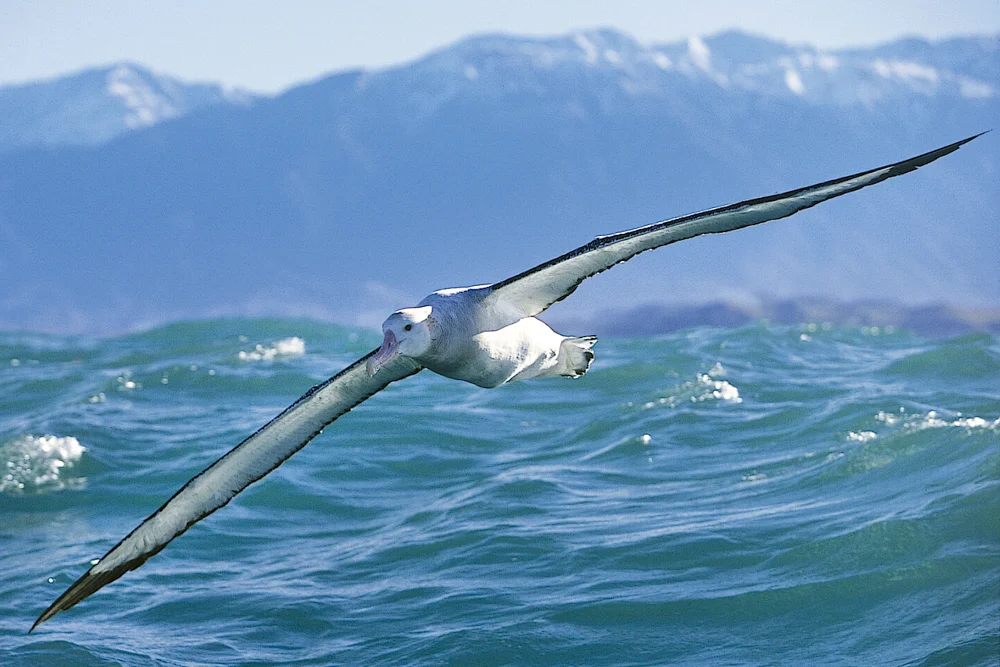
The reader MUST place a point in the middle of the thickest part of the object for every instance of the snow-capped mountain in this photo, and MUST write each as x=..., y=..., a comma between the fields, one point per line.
x=360, y=192
x=733, y=61
x=96, y=105
x=99, y=104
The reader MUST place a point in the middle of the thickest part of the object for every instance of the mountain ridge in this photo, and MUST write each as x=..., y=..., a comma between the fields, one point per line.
x=356, y=193
x=168, y=97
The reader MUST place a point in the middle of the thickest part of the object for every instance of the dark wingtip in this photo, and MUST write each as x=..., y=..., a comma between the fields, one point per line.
x=975, y=136
x=930, y=156
x=966, y=140
x=53, y=609
x=45, y=615
x=958, y=144
x=81, y=589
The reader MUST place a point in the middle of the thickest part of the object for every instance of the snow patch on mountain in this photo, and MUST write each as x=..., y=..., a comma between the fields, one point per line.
x=794, y=81
x=146, y=106
x=96, y=105
x=588, y=48
x=699, y=54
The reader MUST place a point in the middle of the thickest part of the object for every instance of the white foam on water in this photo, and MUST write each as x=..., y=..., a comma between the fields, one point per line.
x=717, y=371
x=903, y=422
x=126, y=383
x=38, y=463
x=932, y=420
x=716, y=389
x=705, y=387
x=286, y=348
x=888, y=418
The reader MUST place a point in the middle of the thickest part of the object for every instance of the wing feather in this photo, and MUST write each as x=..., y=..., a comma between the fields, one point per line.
x=246, y=463
x=531, y=292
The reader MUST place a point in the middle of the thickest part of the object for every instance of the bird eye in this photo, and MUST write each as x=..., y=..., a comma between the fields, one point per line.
x=407, y=327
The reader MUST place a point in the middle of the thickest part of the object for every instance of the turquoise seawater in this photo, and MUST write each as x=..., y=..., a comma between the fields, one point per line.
x=797, y=495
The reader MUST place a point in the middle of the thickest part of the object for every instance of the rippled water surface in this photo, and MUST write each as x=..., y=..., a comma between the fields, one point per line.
x=758, y=495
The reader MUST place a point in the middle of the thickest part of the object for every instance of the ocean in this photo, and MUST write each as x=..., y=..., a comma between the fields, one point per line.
x=757, y=495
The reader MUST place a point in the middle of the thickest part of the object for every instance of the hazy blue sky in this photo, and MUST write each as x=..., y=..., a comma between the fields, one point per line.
x=267, y=46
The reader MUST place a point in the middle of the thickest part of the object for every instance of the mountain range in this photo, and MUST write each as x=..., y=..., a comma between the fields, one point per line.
x=129, y=198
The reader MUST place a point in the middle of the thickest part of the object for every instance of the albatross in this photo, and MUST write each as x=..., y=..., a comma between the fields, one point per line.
x=487, y=335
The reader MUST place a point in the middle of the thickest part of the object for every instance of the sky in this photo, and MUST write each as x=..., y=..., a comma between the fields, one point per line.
x=269, y=46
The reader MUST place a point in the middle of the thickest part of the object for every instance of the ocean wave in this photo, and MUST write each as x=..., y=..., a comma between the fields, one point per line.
x=900, y=436
x=646, y=495
x=39, y=463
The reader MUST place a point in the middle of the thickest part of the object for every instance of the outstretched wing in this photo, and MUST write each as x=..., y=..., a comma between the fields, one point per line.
x=246, y=463
x=536, y=289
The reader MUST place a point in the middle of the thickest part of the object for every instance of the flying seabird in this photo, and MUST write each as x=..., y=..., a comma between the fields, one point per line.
x=488, y=335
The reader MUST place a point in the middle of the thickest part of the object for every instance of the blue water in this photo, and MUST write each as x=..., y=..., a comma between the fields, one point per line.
x=754, y=495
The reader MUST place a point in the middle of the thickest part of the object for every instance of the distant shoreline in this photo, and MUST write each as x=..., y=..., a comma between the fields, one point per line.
x=933, y=320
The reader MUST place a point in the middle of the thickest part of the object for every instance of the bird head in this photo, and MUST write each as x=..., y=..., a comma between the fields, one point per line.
x=405, y=333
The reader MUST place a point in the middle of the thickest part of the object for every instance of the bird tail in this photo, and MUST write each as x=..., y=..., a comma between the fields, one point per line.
x=575, y=356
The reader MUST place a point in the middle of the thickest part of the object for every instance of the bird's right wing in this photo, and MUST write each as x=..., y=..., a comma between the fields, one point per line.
x=255, y=457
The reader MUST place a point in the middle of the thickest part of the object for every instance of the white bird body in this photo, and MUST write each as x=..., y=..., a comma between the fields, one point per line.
x=488, y=344
x=487, y=335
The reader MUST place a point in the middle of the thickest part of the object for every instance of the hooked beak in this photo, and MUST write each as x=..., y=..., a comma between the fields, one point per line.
x=386, y=353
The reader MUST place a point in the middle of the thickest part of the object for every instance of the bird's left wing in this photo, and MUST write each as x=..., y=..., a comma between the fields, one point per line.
x=246, y=463
x=536, y=289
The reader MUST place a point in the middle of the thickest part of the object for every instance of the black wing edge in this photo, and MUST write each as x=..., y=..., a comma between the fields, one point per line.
x=896, y=169
x=91, y=583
